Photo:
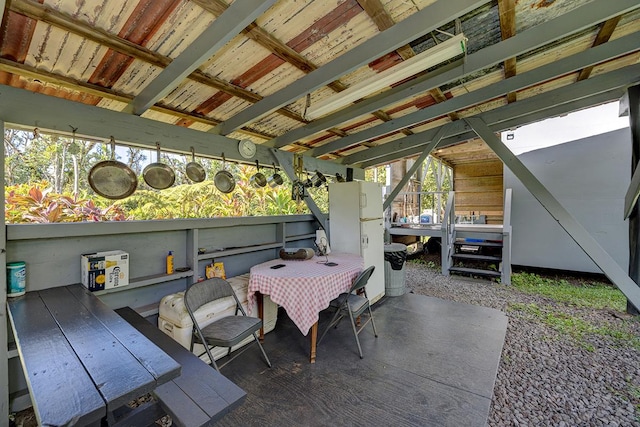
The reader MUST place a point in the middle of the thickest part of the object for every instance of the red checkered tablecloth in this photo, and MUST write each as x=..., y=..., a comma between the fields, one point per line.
x=304, y=288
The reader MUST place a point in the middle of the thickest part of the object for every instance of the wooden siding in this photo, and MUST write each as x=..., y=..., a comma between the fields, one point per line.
x=478, y=188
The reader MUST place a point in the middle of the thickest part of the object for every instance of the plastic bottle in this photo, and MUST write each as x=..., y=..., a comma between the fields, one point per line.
x=170, y=263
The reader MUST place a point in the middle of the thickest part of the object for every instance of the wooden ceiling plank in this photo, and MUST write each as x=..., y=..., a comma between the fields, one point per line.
x=68, y=23
x=65, y=21
x=601, y=89
x=240, y=14
x=531, y=78
x=30, y=72
x=412, y=27
x=568, y=23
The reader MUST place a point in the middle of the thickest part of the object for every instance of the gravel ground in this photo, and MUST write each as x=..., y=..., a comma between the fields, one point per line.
x=547, y=377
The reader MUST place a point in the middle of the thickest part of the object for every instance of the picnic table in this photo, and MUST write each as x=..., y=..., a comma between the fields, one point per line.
x=82, y=361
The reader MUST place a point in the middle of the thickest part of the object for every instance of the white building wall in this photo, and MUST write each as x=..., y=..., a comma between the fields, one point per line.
x=589, y=177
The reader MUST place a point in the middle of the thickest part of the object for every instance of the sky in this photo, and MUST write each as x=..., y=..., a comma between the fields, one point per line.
x=558, y=130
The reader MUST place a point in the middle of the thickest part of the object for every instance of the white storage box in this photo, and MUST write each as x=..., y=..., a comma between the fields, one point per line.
x=174, y=320
x=104, y=270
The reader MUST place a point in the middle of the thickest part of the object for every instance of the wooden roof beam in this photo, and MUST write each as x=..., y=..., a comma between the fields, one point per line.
x=507, y=11
x=412, y=27
x=30, y=72
x=66, y=22
x=240, y=14
x=530, y=78
x=603, y=36
x=598, y=90
x=571, y=22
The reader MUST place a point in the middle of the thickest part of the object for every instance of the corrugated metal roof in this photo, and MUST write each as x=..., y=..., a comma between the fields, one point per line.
x=106, y=52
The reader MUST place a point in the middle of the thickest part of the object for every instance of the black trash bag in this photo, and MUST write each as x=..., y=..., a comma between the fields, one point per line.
x=396, y=259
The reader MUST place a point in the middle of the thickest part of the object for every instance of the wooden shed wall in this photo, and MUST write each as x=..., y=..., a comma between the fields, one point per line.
x=479, y=189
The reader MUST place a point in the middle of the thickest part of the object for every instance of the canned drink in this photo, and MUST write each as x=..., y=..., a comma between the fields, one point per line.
x=16, y=278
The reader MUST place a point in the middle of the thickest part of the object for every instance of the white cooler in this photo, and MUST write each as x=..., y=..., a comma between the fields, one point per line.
x=174, y=318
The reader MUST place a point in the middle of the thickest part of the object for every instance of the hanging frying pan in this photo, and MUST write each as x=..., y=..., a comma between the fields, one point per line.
x=258, y=179
x=112, y=179
x=223, y=179
x=275, y=179
x=158, y=175
x=195, y=171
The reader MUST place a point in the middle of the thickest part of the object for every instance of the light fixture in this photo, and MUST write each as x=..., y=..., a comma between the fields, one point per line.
x=451, y=48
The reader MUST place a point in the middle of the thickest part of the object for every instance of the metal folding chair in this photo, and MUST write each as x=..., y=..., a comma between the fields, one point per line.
x=353, y=304
x=226, y=331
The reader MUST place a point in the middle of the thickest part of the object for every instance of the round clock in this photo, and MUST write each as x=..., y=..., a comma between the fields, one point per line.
x=247, y=148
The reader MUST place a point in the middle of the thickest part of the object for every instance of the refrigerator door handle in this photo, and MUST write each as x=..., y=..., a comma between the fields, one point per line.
x=363, y=200
x=364, y=240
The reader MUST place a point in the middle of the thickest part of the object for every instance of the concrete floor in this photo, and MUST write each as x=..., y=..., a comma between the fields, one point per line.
x=434, y=363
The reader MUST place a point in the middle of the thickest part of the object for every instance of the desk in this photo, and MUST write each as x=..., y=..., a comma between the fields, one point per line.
x=81, y=360
x=304, y=288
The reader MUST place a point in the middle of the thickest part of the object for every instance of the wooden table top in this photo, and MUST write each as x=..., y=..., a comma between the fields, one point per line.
x=81, y=360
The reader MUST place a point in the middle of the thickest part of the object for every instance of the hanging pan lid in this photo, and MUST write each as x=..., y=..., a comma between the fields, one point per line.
x=158, y=175
x=112, y=179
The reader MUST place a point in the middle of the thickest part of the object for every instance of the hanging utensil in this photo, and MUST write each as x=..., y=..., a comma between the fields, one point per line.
x=194, y=170
x=317, y=179
x=223, y=179
x=258, y=179
x=158, y=175
x=275, y=179
x=112, y=179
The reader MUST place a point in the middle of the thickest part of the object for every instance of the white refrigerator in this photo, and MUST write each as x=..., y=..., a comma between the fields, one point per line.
x=356, y=227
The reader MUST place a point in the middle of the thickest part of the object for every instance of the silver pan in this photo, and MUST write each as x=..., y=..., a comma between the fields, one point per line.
x=258, y=179
x=275, y=179
x=112, y=179
x=158, y=175
x=223, y=179
x=194, y=170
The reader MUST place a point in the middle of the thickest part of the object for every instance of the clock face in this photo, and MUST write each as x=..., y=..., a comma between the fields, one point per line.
x=247, y=148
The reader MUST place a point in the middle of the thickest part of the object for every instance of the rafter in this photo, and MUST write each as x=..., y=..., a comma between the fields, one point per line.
x=275, y=46
x=412, y=27
x=66, y=22
x=603, y=36
x=568, y=23
x=30, y=72
x=531, y=78
x=597, y=90
x=507, y=12
x=240, y=14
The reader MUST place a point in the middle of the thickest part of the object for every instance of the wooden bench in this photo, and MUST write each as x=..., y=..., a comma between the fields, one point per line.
x=200, y=396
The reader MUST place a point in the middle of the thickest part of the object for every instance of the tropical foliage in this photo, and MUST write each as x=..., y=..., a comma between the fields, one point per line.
x=46, y=181
x=40, y=204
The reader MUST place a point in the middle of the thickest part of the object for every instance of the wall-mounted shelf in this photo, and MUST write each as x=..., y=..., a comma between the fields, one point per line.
x=300, y=237
x=236, y=251
x=139, y=282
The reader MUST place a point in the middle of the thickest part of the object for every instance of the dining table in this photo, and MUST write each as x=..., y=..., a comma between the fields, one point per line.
x=82, y=361
x=304, y=287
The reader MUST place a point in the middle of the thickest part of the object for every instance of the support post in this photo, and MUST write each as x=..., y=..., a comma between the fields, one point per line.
x=4, y=339
x=442, y=132
x=286, y=164
x=633, y=99
x=505, y=271
x=576, y=231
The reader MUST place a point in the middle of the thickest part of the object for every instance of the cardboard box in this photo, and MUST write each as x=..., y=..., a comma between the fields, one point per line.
x=105, y=270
